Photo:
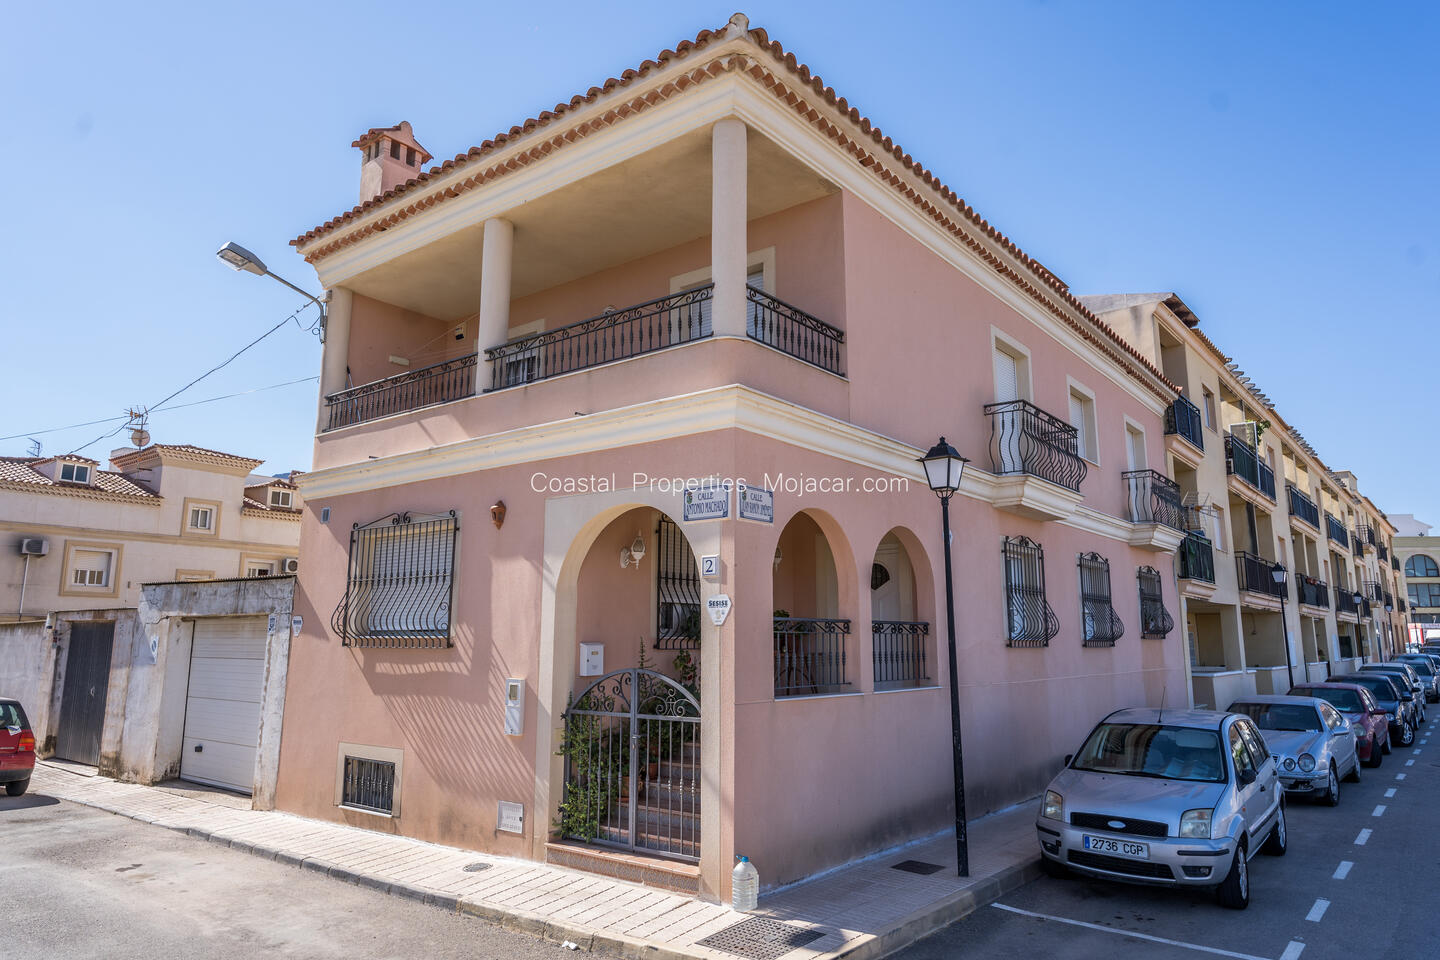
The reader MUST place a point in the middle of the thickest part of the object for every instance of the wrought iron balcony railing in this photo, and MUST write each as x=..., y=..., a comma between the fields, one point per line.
x=1345, y=600
x=1302, y=507
x=1357, y=543
x=1026, y=440
x=1335, y=529
x=1372, y=590
x=899, y=652
x=1182, y=418
x=1154, y=498
x=791, y=330
x=1242, y=461
x=1382, y=552
x=1313, y=592
x=1197, y=559
x=1368, y=532
x=1395, y=563
x=411, y=390
x=617, y=335
x=1254, y=575
x=809, y=655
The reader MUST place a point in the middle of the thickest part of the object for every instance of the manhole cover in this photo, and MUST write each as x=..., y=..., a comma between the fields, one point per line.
x=917, y=866
x=476, y=867
x=760, y=939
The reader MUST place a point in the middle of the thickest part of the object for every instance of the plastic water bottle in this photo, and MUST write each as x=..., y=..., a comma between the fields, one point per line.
x=744, y=885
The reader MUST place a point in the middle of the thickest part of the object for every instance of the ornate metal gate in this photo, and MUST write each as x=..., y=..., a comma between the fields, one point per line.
x=632, y=765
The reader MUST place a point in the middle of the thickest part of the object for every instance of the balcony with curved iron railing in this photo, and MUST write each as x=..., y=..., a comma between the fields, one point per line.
x=1154, y=498
x=1026, y=440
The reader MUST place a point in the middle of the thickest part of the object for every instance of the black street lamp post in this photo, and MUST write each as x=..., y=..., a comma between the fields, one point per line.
x=943, y=468
x=1277, y=573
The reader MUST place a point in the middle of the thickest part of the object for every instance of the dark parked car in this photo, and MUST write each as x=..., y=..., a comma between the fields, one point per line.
x=17, y=748
x=1358, y=706
x=1424, y=665
x=1406, y=679
x=1398, y=712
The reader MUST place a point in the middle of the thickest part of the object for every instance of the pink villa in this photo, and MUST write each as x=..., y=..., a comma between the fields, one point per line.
x=616, y=549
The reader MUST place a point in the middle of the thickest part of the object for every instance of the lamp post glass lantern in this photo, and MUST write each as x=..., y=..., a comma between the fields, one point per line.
x=1277, y=573
x=943, y=469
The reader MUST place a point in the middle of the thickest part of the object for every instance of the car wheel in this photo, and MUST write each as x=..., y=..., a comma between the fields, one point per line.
x=1354, y=775
x=1277, y=843
x=1407, y=735
x=1054, y=869
x=1234, y=891
x=17, y=787
x=1385, y=748
x=1377, y=753
x=1331, y=797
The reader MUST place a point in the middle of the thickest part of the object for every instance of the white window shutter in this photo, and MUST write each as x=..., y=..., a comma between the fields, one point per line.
x=1077, y=420
x=1007, y=377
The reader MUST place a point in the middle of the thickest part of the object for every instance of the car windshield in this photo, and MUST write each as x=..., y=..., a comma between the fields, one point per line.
x=1380, y=686
x=1152, y=750
x=1280, y=716
x=1398, y=675
x=11, y=715
x=1346, y=701
x=1422, y=667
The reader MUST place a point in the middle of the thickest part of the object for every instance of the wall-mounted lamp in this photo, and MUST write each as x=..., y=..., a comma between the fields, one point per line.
x=778, y=557
x=497, y=514
x=633, y=553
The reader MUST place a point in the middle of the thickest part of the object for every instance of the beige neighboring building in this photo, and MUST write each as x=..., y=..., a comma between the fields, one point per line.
x=1255, y=495
x=1417, y=555
x=82, y=538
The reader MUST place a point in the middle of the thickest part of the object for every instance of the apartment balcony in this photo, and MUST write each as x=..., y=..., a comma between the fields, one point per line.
x=1395, y=563
x=1335, y=530
x=1302, y=507
x=1357, y=543
x=1382, y=552
x=1313, y=592
x=1253, y=575
x=1345, y=602
x=1367, y=532
x=1155, y=508
x=612, y=337
x=1241, y=461
x=1036, y=455
x=1182, y=419
x=1197, y=562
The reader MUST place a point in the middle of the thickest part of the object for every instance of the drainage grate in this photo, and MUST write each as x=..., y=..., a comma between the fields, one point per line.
x=917, y=866
x=476, y=867
x=760, y=939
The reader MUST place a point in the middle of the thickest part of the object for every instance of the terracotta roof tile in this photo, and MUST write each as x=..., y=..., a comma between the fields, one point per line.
x=18, y=473
x=189, y=449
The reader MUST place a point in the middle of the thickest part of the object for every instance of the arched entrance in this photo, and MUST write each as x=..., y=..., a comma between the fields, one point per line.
x=632, y=765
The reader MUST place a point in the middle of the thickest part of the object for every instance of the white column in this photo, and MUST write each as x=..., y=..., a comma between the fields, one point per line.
x=335, y=357
x=494, y=325
x=728, y=250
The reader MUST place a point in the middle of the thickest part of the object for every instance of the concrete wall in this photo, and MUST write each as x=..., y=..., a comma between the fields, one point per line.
x=27, y=669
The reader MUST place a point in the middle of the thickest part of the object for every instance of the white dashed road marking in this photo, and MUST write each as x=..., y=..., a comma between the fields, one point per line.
x=1292, y=950
x=1362, y=837
x=1318, y=911
x=1416, y=751
x=1409, y=763
x=1399, y=776
x=1379, y=810
x=1342, y=871
x=1389, y=793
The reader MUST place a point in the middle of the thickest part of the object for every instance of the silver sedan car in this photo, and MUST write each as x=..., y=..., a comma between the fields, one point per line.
x=1170, y=797
x=1314, y=745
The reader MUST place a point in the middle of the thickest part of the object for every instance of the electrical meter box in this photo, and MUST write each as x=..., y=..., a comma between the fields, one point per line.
x=592, y=659
x=514, y=707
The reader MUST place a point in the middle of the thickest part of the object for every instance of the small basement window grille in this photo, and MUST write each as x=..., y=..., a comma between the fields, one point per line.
x=1101, y=625
x=369, y=785
x=1155, y=621
x=1030, y=621
x=400, y=585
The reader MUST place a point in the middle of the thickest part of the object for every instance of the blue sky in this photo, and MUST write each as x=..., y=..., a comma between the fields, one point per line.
x=1275, y=164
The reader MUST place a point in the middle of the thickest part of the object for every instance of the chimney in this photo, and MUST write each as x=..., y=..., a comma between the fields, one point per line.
x=390, y=156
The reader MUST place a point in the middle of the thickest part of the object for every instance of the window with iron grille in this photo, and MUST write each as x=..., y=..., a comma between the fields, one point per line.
x=1155, y=621
x=400, y=584
x=368, y=785
x=677, y=590
x=1100, y=624
x=1029, y=620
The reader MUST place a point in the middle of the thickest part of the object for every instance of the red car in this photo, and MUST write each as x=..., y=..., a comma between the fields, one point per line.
x=17, y=748
x=1372, y=732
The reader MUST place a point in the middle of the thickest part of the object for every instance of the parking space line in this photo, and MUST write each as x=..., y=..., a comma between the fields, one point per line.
x=1399, y=776
x=1287, y=955
x=1292, y=950
x=1361, y=837
x=1318, y=911
x=1379, y=810
x=1390, y=793
x=1342, y=871
x=1409, y=763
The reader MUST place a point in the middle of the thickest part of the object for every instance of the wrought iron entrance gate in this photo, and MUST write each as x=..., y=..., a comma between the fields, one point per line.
x=632, y=765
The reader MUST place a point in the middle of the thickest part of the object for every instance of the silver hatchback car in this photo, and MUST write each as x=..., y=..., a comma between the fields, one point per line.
x=1169, y=797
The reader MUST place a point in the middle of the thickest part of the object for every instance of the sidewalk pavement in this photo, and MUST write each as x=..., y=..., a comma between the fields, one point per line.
x=864, y=910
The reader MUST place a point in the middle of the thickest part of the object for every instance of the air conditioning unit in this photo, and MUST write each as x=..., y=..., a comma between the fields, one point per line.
x=34, y=546
x=290, y=565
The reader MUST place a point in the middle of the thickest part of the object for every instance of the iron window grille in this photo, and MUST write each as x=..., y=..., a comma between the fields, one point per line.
x=898, y=652
x=677, y=590
x=1155, y=621
x=400, y=584
x=1100, y=623
x=1029, y=620
x=369, y=785
x=810, y=655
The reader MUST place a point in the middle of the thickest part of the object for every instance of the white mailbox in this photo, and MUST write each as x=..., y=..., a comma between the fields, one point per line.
x=514, y=707
x=592, y=659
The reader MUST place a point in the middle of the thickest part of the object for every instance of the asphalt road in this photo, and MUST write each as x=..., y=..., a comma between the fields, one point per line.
x=78, y=883
x=1307, y=904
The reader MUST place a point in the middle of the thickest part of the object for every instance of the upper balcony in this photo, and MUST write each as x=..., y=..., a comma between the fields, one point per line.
x=1155, y=506
x=1302, y=507
x=1182, y=419
x=1027, y=444
x=1241, y=461
x=1335, y=529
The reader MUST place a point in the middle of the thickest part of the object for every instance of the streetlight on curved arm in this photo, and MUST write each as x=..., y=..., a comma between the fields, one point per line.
x=943, y=469
x=237, y=257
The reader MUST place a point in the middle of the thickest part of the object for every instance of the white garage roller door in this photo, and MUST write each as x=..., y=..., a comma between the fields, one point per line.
x=222, y=709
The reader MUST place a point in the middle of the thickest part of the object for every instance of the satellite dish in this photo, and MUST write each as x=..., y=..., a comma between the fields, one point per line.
x=139, y=436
